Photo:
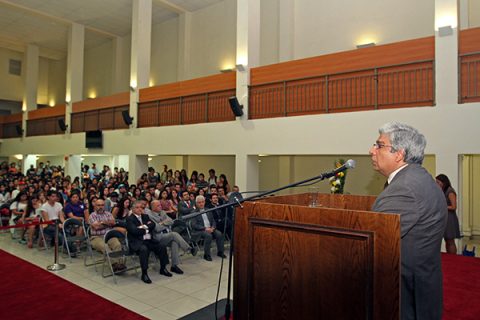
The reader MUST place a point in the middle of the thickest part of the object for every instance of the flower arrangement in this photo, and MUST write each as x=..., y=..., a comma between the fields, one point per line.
x=337, y=182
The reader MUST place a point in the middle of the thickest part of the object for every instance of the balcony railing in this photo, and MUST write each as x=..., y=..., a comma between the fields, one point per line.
x=11, y=130
x=100, y=119
x=45, y=126
x=199, y=108
x=403, y=85
x=469, y=82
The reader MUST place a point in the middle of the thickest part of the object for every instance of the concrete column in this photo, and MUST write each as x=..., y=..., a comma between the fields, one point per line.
x=446, y=53
x=286, y=30
x=138, y=165
x=73, y=166
x=184, y=40
x=28, y=159
x=140, y=57
x=120, y=161
x=31, y=77
x=74, y=88
x=248, y=46
x=181, y=162
x=246, y=172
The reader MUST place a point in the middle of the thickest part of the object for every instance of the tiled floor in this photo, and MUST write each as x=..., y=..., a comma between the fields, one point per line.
x=166, y=298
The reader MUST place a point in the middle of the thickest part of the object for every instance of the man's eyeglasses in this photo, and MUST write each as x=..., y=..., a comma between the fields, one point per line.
x=380, y=146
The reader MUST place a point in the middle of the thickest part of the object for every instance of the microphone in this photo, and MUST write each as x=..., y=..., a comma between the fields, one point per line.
x=349, y=164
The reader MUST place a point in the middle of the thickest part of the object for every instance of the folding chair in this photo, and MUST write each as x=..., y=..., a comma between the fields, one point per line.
x=74, y=233
x=91, y=253
x=124, y=254
x=184, y=229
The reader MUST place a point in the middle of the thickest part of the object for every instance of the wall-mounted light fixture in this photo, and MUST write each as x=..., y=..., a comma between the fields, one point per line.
x=365, y=45
x=240, y=67
x=445, y=31
x=226, y=70
x=132, y=88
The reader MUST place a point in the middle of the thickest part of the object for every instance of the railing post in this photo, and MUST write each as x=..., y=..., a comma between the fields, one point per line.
x=206, y=107
x=434, y=83
x=326, y=93
x=284, y=98
x=375, y=83
x=181, y=110
x=158, y=114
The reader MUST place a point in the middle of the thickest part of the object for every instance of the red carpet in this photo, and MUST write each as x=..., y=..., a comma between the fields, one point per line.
x=461, y=287
x=29, y=292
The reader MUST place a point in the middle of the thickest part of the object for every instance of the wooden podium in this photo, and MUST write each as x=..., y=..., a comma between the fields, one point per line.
x=334, y=261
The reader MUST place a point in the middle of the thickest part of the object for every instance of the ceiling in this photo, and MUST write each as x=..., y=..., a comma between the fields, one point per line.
x=45, y=23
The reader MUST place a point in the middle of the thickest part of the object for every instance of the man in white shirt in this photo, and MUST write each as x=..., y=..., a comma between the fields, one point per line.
x=53, y=211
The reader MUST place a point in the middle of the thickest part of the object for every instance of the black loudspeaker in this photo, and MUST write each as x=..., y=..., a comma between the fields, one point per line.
x=126, y=117
x=235, y=106
x=62, y=125
x=19, y=129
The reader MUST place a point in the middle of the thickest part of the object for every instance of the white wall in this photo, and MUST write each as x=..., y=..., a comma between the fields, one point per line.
x=57, y=77
x=474, y=13
x=11, y=86
x=213, y=37
x=330, y=25
x=269, y=31
x=42, y=93
x=164, y=57
x=97, y=74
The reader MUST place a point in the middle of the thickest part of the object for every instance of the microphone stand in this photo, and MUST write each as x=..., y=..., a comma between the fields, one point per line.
x=236, y=201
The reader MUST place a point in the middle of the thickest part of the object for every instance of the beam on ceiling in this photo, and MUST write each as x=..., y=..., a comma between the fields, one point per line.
x=52, y=17
x=170, y=6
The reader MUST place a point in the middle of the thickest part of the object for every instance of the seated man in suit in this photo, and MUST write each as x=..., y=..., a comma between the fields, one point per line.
x=139, y=232
x=163, y=234
x=185, y=206
x=204, y=226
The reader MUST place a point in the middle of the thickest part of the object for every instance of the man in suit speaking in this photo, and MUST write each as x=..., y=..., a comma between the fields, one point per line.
x=412, y=192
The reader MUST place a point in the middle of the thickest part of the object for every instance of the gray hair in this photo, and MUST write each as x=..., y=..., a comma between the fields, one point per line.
x=406, y=138
x=199, y=197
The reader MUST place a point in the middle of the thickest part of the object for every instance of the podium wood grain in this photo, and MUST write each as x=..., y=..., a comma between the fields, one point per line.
x=338, y=261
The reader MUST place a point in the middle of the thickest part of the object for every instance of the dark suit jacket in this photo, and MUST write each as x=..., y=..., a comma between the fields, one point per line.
x=183, y=209
x=198, y=225
x=423, y=215
x=135, y=235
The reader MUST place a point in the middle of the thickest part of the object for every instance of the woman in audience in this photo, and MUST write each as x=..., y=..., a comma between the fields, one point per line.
x=122, y=210
x=167, y=205
x=75, y=208
x=452, y=230
x=223, y=182
x=175, y=199
x=183, y=178
x=30, y=215
x=17, y=209
x=4, y=195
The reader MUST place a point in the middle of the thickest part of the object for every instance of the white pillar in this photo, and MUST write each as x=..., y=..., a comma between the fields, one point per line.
x=138, y=165
x=248, y=46
x=140, y=57
x=121, y=161
x=446, y=53
x=74, y=88
x=73, y=166
x=28, y=160
x=31, y=77
x=246, y=172
x=184, y=40
x=286, y=30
